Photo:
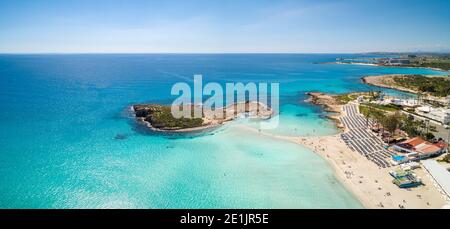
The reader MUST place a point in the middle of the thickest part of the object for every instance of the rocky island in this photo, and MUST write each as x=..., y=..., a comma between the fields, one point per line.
x=159, y=117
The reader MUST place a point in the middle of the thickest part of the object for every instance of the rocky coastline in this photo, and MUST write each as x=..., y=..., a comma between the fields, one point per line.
x=159, y=117
x=329, y=103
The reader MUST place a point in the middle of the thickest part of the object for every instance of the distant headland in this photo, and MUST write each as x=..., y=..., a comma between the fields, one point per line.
x=435, y=61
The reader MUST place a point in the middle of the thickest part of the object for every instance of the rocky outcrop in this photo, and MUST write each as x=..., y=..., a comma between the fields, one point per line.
x=159, y=117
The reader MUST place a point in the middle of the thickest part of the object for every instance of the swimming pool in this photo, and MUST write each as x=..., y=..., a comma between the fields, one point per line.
x=398, y=158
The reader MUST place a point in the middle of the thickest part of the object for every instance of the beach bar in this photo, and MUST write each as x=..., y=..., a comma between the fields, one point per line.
x=416, y=149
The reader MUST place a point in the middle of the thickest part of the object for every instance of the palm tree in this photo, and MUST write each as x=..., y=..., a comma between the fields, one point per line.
x=391, y=123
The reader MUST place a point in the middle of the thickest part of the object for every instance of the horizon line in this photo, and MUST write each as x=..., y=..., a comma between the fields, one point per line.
x=190, y=53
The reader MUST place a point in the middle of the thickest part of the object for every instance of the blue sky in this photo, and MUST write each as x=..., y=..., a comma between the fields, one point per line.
x=183, y=26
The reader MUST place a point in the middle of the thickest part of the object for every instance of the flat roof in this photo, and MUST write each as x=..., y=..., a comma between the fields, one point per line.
x=439, y=173
x=428, y=149
x=413, y=142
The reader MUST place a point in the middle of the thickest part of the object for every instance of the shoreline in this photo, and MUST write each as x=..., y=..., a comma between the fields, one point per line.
x=387, y=81
x=428, y=68
x=380, y=81
x=253, y=109
x=387, y=66
x=329, y=104
x=371, y=185
x=180, y=131
x=351, y=63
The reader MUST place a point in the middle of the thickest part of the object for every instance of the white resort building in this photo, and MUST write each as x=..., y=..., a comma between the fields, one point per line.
x=441, y=115
x=397, y=102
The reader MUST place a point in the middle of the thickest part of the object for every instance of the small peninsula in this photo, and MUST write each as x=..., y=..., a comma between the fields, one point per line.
x=333, y=103
x=433, y=86
x=159, y=117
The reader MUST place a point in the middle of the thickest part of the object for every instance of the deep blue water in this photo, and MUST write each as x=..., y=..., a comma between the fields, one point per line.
x=60, y=115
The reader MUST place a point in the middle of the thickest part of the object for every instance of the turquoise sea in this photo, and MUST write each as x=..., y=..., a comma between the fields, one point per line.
x=60, y=115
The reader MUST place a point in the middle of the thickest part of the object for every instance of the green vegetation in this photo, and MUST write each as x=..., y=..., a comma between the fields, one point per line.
x=161, y=117
x=164, y=118
x=389, y=107
x=392, y=121
x=410, y=126
x=437, y=86
x=417, y=127
x=422, y=61
x=431, y=62
x=443, y=66
x=345, y=98
x=371, y=113
x=446, y=158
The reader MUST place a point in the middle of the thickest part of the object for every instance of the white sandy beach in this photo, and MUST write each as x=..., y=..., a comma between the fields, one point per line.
x=371, y=185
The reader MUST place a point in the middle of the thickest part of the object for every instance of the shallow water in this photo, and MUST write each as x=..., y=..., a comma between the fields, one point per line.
x=62, y=114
